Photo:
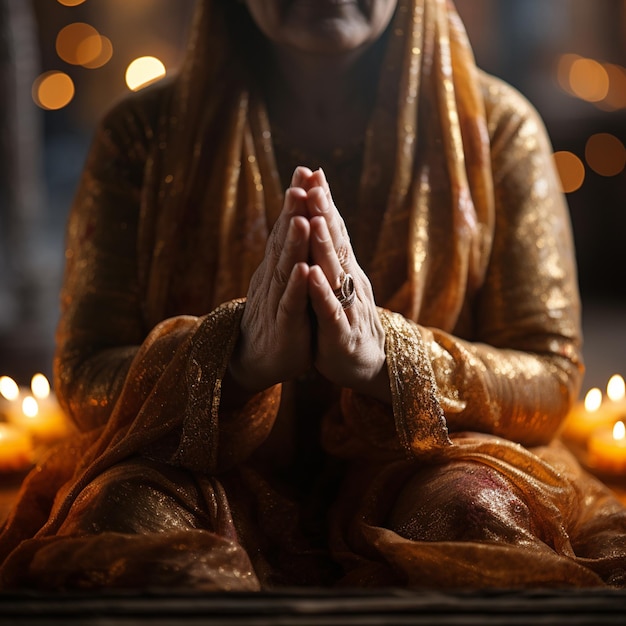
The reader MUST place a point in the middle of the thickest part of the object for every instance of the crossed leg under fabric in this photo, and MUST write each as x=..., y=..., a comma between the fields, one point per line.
x=462, y=501
x=145, y=524
x=141, y=524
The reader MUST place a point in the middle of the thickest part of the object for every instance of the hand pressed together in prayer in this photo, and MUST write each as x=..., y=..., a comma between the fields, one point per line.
x=307, y=254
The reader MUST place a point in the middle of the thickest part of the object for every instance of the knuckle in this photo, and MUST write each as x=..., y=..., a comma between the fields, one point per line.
x=280, y=276
x=257, y=279
x=340, y=225
x=274, y=248
x=343, y=252
x=284, y=313
x=337, y=313
x=365, y=286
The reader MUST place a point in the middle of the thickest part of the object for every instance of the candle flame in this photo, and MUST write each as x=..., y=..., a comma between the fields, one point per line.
x=619, y=431
x=30, y=408
x=593, y=400
x=40, y=386
x=616, y=389
x=8, y=388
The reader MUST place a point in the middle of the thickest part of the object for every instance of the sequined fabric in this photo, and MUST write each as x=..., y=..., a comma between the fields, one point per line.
x=457, y=218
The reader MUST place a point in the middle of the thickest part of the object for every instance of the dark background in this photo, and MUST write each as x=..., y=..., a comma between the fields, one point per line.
x=42, y=152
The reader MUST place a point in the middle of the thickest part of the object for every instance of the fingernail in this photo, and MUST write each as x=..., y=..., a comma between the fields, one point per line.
x=292, y=195
x=293, y=234
x=317, y=275
x=322, y=234
x=321, y=204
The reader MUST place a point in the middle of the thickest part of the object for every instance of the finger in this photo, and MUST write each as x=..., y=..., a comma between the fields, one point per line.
x=295, y=250
x=301, y=176
x=319, y=205
x=331, y=317
x=323, y=252
x=294, y=302
x=294, y=204
x=318, y=179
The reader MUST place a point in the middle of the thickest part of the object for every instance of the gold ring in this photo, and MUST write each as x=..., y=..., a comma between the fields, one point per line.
x=346, y=293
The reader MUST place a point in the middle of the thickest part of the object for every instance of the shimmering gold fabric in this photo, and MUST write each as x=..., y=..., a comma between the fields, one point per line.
x=459, y=222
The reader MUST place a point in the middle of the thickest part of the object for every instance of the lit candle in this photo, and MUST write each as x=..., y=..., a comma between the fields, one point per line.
x=11, y=397
x=607, y=449
x=9, y=393
x=16, y=449
x=616, y=394
x=596, y=411
x=586, y=417
x=38, y=413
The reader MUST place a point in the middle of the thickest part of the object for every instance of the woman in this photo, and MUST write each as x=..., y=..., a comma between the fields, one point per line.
x=379, y=408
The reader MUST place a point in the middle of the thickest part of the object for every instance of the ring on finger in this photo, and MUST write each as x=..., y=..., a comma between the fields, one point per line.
x=346, y=293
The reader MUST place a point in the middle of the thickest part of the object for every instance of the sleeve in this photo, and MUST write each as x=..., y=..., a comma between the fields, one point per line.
x=153, y=391
x=519, y=376
x=101, y=326
x=519, y=373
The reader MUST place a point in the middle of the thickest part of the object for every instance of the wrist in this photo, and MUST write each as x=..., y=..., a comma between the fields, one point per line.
x=242, y=376
x=376, y=386
x=234, y=394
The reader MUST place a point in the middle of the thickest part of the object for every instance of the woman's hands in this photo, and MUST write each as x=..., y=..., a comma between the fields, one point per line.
x=306, y=254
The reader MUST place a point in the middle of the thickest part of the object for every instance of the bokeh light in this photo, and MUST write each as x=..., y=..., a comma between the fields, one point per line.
x=70, y=3
x=89, y=49
x=40, y=386
x=589, y=80
x=603, y=84
x=616, y=388
x=616, y=98
x=605, y=154
x=106, y=53
x=30, y=408
x=53, y=90
x=78, y=43
x=9, y=388
x=564, y=67
x=593, y=400
x=143, y=72
x=571, y=171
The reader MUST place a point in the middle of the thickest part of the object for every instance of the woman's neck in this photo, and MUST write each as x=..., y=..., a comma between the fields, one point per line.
x=321, y=103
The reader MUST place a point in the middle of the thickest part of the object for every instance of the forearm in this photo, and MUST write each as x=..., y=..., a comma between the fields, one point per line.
x=441, y=383
x=172, y=392
x=519, y=394
x=88, y=390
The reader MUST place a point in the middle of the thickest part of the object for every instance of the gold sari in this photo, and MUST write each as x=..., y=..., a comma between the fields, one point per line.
x=466, y=240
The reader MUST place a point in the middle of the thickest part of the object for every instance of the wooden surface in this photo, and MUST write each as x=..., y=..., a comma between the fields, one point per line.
x=318, y=608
